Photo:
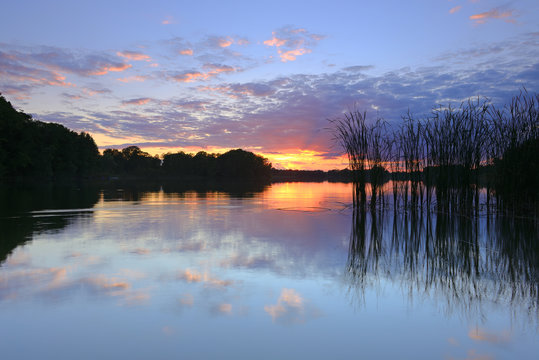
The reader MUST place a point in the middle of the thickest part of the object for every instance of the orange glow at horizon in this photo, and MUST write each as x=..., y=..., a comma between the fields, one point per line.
x=289, y=159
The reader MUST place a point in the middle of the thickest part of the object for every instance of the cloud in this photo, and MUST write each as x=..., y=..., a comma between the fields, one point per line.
x=251, y=89
x=496, y=13
x=483, y=335
x=18, y=68
x=291, y=43
x=274, y=41
x=291, y=308
x=138, y=101
x=90, y=91
x=255, y=262
x=168, y=20
x=112, y=68
x=473, y=355
x=141, y=251
x=291, y=55
x=193, y=276
x=222, y=309
x=35, y=67
x=67, y=61
x=133, y=55
x=208, y=71
x=168, y=330
x=187, y=300
x=72, y=96
x=18, y=259
x=358, y=68
x=289, y=114
x=225, y=42
x=18, y=91
x=135, y=78
x=188, y=52
x=190, y=76
x=218, y=42
x=455, y=9
x=242, y=41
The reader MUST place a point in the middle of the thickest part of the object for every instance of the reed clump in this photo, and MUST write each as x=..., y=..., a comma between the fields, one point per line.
x=461, y=158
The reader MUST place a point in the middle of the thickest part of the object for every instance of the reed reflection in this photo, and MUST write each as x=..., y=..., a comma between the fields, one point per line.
x=466, y=262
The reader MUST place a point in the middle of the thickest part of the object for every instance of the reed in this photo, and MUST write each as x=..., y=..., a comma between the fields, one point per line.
x=352, y=132
x=438, y=161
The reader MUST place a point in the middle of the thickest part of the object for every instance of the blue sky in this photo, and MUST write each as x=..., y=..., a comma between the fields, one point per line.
x=263, y=76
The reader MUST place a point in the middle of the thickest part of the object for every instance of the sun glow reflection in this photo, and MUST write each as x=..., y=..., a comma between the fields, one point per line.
x=298, y=196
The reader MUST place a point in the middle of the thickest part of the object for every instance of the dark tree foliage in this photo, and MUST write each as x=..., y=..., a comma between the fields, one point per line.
x=234, y=164
x=31, y=148
x=130, y=161
x=37, y=150
x=242, y=164
x=178, y=163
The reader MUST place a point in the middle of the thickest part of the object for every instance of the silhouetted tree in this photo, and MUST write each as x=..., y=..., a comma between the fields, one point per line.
x=178, y=164
x=33, y=148
x=242, y=164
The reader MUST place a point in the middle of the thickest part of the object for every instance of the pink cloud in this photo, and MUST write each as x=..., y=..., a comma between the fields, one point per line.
x=110, y=68
x=139, y=101
x=214, y=69
x=292, y=54
x=274, y=41
x=188, y=52
x=291, y=43
x=193, y=276
x=168, y=20
x=211, y=70
x=479, y=334
x=455, y=9
x=190, y=76
x=56, y=79
x=495, y=13
x=225, y=42
x=133, y=55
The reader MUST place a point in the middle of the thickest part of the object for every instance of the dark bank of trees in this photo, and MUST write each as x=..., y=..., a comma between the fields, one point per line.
x=36, y=150
x=31, y=148
x=233, y=164
x=447, y=158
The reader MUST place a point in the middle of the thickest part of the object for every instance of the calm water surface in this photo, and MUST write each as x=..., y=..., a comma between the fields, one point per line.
x=288, y=271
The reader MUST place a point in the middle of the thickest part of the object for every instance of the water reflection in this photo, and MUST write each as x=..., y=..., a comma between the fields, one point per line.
x=28, y=210
x=136, y=191
x=465, y=262
x=192, y=264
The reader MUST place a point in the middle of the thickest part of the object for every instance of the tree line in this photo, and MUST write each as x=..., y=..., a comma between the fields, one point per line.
x=30, y=148
x=236, y=164
x=34, y=149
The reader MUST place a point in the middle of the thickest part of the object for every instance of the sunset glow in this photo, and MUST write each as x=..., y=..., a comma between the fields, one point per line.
x=199, y=76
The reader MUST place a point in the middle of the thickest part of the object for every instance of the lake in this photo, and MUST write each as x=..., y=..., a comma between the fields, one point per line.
x=285, y=271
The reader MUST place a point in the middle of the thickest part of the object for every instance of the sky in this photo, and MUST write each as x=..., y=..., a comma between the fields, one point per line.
x=264, y=76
